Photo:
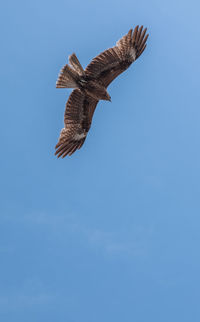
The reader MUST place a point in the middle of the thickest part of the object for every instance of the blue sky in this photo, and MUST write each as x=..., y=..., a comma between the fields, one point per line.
x=111, y=233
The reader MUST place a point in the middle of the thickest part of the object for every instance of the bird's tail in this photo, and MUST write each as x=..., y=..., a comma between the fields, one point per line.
x=74, y=62
x=68, y=78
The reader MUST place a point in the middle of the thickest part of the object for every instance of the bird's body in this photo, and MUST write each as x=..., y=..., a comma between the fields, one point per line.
x=94, y=88
x=91, y=86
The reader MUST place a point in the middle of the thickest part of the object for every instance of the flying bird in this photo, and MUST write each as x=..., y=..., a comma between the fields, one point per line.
x=90, y=86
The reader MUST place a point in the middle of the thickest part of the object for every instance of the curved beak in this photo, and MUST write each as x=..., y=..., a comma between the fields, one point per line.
x=109, y=98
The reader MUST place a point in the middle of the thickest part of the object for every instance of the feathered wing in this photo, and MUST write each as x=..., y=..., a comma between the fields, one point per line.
x=77, y=119
x=113, y=61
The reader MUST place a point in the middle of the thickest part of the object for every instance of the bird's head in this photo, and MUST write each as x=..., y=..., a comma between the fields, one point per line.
x=97, y=91
x=107, y=97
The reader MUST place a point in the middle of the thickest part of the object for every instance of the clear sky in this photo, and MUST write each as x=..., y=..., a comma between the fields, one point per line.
x=113, y=232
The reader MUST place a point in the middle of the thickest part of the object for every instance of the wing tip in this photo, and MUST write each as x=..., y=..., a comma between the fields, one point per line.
x=68, y=148
x=139, y=39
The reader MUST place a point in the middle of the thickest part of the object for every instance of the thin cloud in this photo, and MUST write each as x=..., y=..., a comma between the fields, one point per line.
x=135, y=242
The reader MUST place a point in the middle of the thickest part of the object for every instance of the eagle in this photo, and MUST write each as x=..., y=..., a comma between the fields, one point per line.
x=90, y=86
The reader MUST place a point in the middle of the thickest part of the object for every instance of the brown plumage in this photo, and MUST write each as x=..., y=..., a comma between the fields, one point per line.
x=91, y=86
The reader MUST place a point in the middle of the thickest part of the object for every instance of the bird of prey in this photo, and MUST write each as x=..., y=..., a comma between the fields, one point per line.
x=90, y=86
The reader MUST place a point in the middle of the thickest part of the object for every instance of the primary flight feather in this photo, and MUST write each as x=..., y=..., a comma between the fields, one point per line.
x=91, y=86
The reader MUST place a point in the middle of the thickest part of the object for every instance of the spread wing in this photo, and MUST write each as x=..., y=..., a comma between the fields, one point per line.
x=77, y=119
x=112, y=62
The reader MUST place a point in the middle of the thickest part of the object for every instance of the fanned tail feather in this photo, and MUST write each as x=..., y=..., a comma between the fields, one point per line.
x=74, y=62
x=68, y=78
